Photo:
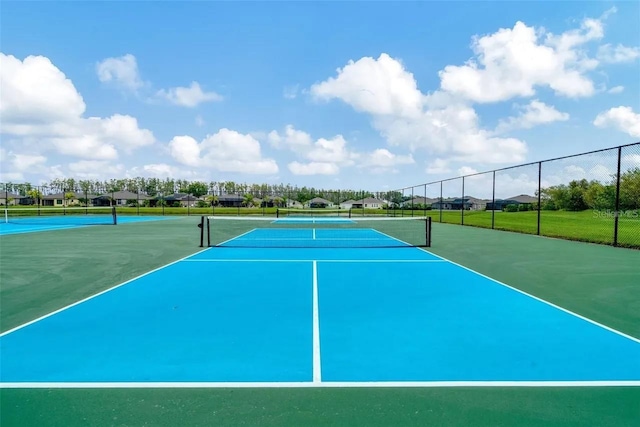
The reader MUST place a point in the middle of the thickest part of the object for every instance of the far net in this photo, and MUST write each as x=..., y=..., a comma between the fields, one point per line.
x=61, y=216
x=316, y=232
x=315, y=213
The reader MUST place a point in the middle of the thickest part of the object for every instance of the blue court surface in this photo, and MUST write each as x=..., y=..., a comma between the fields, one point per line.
x=35, y=224
x=316, y=317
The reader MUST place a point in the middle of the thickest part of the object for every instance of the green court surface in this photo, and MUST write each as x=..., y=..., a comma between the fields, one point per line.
x=42, y=272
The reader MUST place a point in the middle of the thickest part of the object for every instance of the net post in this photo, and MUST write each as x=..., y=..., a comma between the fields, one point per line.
x=201, y=227
x=349, y=213
x=277, y=212
x=428, y=231
x=114, y=215
x=208, y=232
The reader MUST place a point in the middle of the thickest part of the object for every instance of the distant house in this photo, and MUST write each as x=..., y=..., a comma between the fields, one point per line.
x=459, y=203
x=183, y=198
x=419, y=200
x=230, y=200
x=319, y=202
x=60, y=199
x=294, y=204
x=522, y=199
x=347, y=204
x=11, y=198
x=118, y=198
x=368, y=203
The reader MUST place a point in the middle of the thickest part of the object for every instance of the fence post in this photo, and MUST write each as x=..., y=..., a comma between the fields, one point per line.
x=493, y=202
x=539, y=195
x=617, y=208
x=441, y=202
x=412, y=197
x=424, y=205
x=462, y=204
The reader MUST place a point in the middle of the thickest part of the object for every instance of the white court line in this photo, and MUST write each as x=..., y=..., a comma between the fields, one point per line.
x=314, y=234
x=238, y=236
x=318, y=260
x=317, y=367
x=96, y=295
x=324, y=384
x=586, y=319
x=285, y=239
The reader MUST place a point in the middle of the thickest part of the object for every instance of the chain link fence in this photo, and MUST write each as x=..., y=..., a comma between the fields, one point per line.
x=591, y=197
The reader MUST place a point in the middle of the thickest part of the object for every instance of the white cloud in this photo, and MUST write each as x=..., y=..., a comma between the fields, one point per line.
x=225, y=151
x=95, y=169
x=620, y=53
x=454, y=132
x=42, y=107
x=292, y=139
x=327, y=156
x=383, y=158
x=616, y=89
x=513, y=61
x=313, y=168
x=185, y=150
x=123, y=71
x=532, y=114
x=446, y=127
x=25, y=162
x=466, y=170
x=163, y=170
x=438, y=166
x=191, y=96
x=376, y=86
x=199, y=121
x=331, y=150
x=35, y=92
x=621, y=118
x=630, y=161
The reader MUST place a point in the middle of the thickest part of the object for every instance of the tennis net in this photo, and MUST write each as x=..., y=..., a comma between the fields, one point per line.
x=307, y=213
x=315, y=232
x=61, y=216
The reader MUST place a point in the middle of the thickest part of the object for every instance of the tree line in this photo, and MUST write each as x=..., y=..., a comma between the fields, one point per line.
x=575, y=196
x=581, y=194
x=155, y=187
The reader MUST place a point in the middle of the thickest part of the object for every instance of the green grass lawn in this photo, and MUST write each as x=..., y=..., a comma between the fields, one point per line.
x=584, y=226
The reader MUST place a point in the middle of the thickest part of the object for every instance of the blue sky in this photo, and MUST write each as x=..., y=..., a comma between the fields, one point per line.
x=360, y=95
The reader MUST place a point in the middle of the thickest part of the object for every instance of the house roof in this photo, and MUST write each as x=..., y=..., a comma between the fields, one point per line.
x=319, y=200
x=230, y=198
x=124, y=195
x=420, y=199
x=369, y=200
x=183, y=197
x=76, y=195
x=4, y=195
x=350, y=202
x=523, y=198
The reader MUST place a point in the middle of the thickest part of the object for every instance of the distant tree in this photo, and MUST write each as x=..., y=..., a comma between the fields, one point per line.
x=600, y=196
x=630, y=189
x=36, y=195
x=197, y=188
x=69, y=196
x=212, y=200
x=248, y=200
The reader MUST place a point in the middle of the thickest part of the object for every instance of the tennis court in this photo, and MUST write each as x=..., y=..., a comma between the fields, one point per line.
x=30, y=220
x=315, y=305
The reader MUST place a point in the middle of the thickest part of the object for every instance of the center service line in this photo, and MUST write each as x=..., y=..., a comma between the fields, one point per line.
x=317, y=374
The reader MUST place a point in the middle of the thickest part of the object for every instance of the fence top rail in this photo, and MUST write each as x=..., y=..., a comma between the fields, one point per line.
x=618, y=147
